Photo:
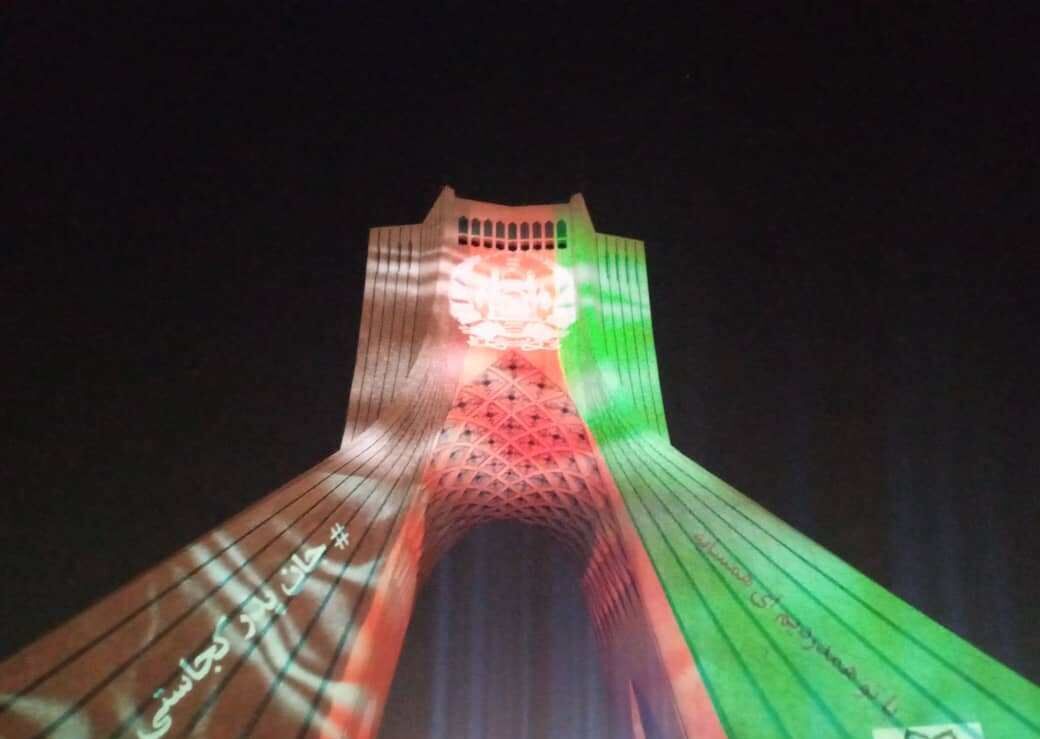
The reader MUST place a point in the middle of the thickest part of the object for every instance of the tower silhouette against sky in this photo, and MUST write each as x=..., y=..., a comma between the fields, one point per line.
x=506, y=371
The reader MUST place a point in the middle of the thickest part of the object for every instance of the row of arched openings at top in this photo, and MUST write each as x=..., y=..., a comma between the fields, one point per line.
x=512, y=236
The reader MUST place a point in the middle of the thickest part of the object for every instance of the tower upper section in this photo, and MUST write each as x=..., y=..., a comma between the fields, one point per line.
x=517, y=228
x=509, y=292
x=534, y=278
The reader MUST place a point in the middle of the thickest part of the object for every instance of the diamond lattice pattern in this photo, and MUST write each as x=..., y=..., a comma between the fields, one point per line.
x=514, y=447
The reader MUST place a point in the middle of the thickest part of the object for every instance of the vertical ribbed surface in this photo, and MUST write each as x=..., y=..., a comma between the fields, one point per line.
x=619, y=350
x=789, y=640
x=275, y=625
x=391, y=329
x=95, y=677
x=270, y=625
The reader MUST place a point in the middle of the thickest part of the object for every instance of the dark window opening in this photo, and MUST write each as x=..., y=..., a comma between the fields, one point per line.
x=463, y=229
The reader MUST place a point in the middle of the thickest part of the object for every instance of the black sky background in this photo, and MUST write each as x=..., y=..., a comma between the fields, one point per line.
x=840, y=210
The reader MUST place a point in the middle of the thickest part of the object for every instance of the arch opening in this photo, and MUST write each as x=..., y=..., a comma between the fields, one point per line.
x=513, y=447
x=501, y=646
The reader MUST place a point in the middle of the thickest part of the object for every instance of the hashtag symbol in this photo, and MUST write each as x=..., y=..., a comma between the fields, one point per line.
x=339, y=536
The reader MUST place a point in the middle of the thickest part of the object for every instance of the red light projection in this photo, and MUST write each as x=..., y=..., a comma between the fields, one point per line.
x=514, y=447
x=512, y=301
x=714, y=619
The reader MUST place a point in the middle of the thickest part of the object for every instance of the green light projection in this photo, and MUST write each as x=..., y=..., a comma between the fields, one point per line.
x=269, y=626
x=789, y=640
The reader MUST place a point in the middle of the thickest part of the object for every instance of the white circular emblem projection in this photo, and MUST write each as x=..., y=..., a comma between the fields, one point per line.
x=516, y=301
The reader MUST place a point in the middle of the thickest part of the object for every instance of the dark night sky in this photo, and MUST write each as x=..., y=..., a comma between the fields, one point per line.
x=840, y=212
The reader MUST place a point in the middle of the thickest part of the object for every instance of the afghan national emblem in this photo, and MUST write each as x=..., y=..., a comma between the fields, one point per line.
x=517, y=301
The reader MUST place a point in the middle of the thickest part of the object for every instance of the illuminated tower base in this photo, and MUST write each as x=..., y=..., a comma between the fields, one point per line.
x=506, y=370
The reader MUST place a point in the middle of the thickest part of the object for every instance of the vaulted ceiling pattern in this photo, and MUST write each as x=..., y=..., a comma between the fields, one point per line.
x=514, y=447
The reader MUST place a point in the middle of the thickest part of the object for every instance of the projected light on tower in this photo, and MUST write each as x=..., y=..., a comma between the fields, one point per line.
x=506, y=370
x=510, y=300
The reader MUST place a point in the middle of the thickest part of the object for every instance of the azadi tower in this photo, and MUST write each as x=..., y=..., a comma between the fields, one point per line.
x=506, y=370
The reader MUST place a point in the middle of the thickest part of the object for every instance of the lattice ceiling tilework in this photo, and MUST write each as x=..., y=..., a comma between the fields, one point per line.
x=514, y=447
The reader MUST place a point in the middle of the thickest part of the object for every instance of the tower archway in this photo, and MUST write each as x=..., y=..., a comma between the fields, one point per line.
x=508, y=376
x=513, y=447
x=501, y=645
